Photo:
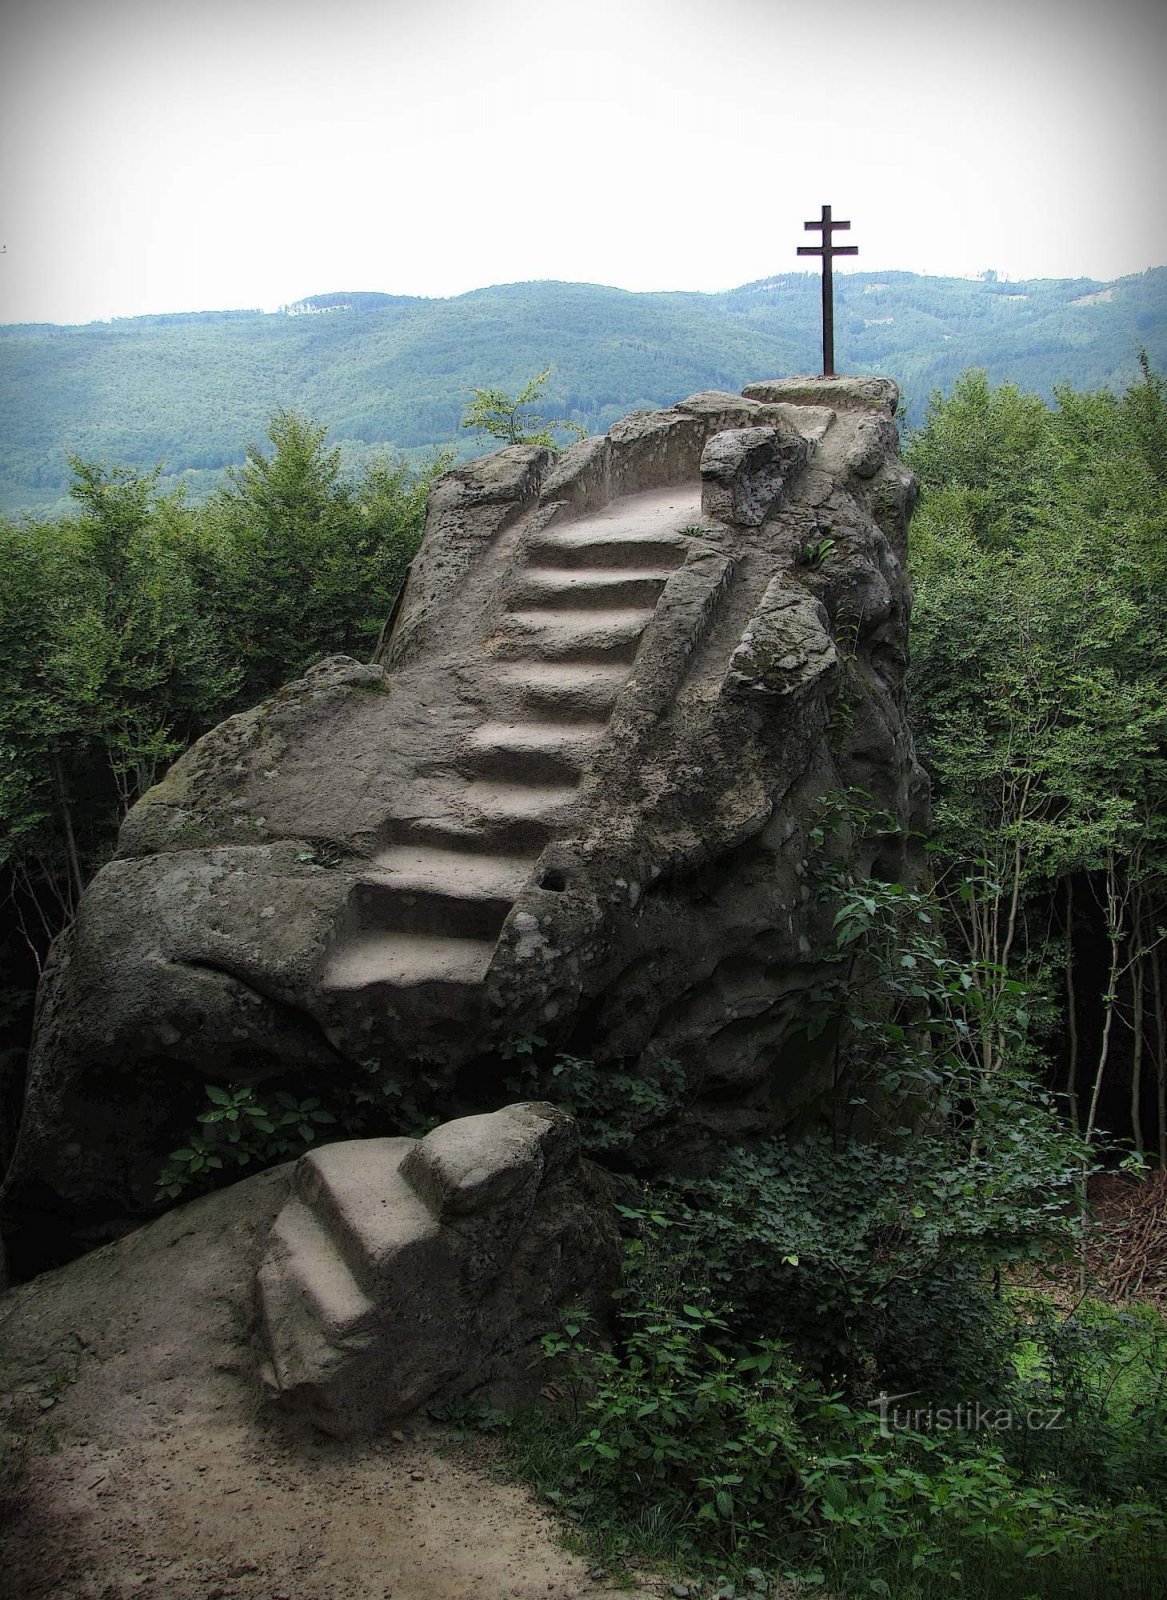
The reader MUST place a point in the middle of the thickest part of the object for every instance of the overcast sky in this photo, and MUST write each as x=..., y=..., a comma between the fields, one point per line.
x=165, y=155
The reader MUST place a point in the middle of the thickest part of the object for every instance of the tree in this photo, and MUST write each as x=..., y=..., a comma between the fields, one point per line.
x=109, y=665
x=1039, y=651
x=497, y=415
x=311, y=564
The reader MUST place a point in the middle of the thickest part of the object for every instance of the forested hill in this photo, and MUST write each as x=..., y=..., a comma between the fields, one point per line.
x=191, y=390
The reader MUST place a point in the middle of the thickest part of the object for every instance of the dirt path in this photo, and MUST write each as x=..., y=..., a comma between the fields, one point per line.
x=147, y=1465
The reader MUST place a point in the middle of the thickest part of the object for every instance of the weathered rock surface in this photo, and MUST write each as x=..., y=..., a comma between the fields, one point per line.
x=838, y=391
x=573, y=798
x=134, y=1459
x=744, y=471
x=402, y=1270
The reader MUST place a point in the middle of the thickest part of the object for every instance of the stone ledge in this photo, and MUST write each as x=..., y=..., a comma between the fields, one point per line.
x=840, y=393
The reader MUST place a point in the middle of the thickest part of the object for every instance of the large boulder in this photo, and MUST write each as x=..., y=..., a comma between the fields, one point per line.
x=572, y=798
x=403, y=1271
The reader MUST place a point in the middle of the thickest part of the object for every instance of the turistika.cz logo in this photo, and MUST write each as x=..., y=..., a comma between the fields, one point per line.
x=967, y=1416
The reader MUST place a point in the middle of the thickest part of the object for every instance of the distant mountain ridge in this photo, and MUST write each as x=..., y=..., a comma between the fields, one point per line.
x=192, y=389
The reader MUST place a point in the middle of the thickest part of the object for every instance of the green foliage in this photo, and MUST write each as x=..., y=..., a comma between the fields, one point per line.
x=733, y=1417
x=402, y=1097
x=310, y=565
x=690, y=1445
x=981, y=449
x=243, y=1128
x=675, y=1416
x=1102, y=1373
x=1038, y=658
x=614, y=1107
x=1038, y=645
x=108, y=665
x=465, y=1417
x=921, y=1516
x=877, y=1255
x=874, y=1260
x=815, y=552
x=495, y=414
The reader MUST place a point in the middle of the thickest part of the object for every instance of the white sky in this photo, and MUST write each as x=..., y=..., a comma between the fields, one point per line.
x=166, y=155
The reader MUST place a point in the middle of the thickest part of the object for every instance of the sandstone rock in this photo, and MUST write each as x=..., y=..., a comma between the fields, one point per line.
x=404, y=1270
x=572, y=798
x=839, y=391
x=785, y=647
x=744, y=471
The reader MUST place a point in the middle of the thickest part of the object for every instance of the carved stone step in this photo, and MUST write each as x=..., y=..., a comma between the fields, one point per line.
x=368, y=1210
x=576, y=635
x=449, y=870
x=582, y=545
x=496, y=804
x=586, y=588
x=582, y=689
x=397, y=960
x=493, y=835
x=535, y=752
x=381, y=902
x=310, y=1292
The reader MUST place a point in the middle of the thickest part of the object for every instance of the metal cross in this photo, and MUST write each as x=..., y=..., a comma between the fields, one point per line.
x=828, y=251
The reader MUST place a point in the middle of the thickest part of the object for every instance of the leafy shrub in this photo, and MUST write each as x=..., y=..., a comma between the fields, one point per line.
x=675, y=1415
x=920, y=1516
x=495, y=414
x=614, y=1107
x=242, y=1128
x=766, y=1303
x=1102, y=1371
x=686, y=1441
x=388, y=1097
x=866, y=1260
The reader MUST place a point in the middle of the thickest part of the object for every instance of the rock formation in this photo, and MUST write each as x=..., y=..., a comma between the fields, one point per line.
x=403, y=1269
x=135, y=1461
x=572, y=798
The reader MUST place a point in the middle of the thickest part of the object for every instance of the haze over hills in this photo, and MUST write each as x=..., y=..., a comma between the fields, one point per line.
x=191, y=390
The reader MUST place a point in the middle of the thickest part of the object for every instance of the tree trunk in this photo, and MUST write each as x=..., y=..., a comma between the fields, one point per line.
x=1071, y=1009
x=1109, y=999
x=1137, y=987
x=1160, y=1052
x=76, y=876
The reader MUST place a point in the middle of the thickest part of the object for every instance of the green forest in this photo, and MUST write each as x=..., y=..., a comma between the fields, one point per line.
x=1004, y=1024
x=186, y=391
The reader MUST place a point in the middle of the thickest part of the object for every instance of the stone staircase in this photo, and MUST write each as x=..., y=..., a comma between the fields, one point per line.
x=318, y=1284
x=425, y=917
x=569, y=795
x=398, y=1265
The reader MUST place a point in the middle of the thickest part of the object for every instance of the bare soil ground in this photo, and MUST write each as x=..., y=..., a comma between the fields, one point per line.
x=139, y=1459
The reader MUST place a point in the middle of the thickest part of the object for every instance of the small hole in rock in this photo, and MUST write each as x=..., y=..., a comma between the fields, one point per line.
x=553, y=880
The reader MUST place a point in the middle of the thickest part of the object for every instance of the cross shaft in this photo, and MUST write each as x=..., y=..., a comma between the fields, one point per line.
x=828, y=250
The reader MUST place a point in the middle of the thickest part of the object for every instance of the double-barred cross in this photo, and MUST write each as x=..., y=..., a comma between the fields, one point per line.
x=828, y=251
